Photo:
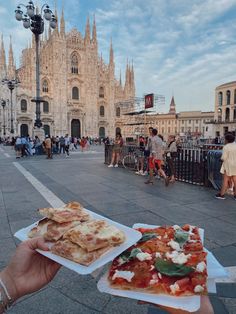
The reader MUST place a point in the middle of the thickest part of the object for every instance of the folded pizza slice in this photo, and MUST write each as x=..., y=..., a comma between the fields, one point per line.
x=66, y=214
x=95, y=234
x=51, y=230
x=75, y=253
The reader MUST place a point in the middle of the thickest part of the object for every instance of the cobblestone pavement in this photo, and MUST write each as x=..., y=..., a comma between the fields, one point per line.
x=121, y=196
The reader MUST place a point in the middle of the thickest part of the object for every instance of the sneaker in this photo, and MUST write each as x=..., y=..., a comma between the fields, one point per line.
x=137, y=172
x=145, y=173
x=116, y=166
x=219, y=196
x=110, y=166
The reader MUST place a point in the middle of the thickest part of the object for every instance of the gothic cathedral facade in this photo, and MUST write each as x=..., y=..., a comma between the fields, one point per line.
x=79, y=90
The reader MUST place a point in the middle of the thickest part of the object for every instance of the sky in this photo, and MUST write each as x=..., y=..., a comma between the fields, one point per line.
x=183, y=48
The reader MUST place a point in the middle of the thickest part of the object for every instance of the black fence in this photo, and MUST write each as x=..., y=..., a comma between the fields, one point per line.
x=198, y=166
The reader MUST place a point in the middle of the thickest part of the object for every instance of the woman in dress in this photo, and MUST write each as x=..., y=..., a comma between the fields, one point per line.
x=228, y=168
x=117, y=150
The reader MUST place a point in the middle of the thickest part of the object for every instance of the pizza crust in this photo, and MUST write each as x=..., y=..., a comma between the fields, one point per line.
x=74, y=252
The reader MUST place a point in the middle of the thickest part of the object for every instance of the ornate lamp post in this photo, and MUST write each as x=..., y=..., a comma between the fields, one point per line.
x=11, y=84
x=3, y=103
x=33, y=20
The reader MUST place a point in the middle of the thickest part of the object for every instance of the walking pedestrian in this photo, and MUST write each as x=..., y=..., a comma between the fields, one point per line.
x=171, y=154
x=48, y=147
x=18, y=147
x=67, y=145
x=117, y=150
x=228, y=168
x=62, y=144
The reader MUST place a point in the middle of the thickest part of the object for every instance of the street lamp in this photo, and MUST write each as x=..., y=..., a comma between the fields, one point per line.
x=3, y=103
x=33, y=20
x=11, y=84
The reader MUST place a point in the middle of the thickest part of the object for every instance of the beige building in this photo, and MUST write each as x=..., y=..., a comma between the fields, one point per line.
x=79, y=89
x=225, y=108
x=192, y=124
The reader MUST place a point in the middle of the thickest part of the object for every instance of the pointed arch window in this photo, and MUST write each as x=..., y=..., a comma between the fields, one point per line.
x=101, y=92
x=75, y=93
x=102, y=111
x=23, y=105
x=228, y=97
x=45, y=86
x=74, y=63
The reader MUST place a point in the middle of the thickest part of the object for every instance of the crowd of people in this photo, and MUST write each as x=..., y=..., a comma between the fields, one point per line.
x=153, y=154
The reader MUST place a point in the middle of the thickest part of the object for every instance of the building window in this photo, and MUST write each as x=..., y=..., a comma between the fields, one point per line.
x=169, y=130
x=118, y=131
x=75, y=93
x=23, y=105
x=220, y=99
x=46, y=129
x=101, y=92
x=118, y=111
x=189, y=121
x=45, y=107
x=227, y=114
x=182, y=130
x=228, y=97
x=206, y=128
x=182, y=121
x=102, y=132
x=196, y=121
x=235, y=96
x=234, y=114
x=45, y=86
x=102, y=111
x=74, y=64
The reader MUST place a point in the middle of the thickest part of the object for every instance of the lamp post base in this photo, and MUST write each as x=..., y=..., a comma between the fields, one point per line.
x=40, y=133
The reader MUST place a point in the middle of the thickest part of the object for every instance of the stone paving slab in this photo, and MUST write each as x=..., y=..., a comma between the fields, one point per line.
x=122, y=196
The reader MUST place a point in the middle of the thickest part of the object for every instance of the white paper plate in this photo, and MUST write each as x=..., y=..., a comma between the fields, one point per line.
x=132, y=236
x=191, y=303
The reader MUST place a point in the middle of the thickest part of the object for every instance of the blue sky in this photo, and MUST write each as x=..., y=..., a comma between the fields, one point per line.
x=179, y=47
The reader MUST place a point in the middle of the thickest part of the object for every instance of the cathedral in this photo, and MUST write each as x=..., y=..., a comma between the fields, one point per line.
x=79, y=90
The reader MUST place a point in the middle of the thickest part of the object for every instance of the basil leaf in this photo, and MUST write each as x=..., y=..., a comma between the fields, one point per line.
x=181, y=237
x=147, y=236
x=170, y=269
x=128, y=255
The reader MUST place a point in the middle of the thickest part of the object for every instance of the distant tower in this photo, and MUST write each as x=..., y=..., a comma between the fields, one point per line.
x=172, y=106
x=87, y=32
x=3, y=66
x=62, y=25
x=11, y=66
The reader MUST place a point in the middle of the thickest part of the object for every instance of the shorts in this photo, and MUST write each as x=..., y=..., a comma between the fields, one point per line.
x=18, y=147
x=140, y=153
x=155, y=162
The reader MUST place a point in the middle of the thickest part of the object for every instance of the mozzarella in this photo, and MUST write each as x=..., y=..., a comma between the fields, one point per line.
x=152, y=267
x=174, y=288
x=127, y=275
x=178, y=258
x=158, y=255
x=201, y=267
x=165, y=236
x=144, y=256
x=198, y=288
x=121, y=261
x=175, y=245
x=176, y=227
x=192, y=241
x=159, y=275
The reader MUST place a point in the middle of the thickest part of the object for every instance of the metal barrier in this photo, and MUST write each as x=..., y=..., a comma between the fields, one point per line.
x=195, y=166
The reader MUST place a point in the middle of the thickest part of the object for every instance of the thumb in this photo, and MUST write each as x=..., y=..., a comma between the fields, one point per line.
x=36, y=243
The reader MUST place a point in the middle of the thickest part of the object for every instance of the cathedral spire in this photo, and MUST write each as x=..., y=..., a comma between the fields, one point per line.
x=56, y=31
x=87, y=32
x=11, y=67
x=111, y=54
x=62, y=24
x=94, y=36
x=172, y=106
x=2, y=59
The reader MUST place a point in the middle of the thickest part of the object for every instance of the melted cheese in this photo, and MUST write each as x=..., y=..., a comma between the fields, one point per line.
x=178, y=258
x=144, y=256
x=174, y=288
x=201, y=267
x=176, y=227
x=158, y=255
x=198, y=288
x=127, y=275
x=154, y=279
x=159, y=275
x=121, y=261
x=174, y=245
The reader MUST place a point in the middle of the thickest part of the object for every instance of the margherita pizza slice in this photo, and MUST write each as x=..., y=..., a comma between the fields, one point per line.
x=159, y=263
x=51, y=230
x=95, y=234
x=74, y=252
x=75, y=212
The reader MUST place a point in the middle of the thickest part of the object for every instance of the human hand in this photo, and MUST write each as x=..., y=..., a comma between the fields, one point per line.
x=28, y=270
x=205, y=307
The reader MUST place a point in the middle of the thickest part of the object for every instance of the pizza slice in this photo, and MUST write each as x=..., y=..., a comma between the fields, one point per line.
x=51, y=230
x=159, y=264
x=75, y=253
x=95, y=234
x=71, y=212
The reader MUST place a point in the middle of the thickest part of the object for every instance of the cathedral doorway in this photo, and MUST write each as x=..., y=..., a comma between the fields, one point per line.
x=102, y=132
x=46, y=129
x=24, y=130
x=118, y=130
x=75, y=128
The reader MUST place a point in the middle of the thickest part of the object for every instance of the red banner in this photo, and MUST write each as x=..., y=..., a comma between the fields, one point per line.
x=149, y=100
